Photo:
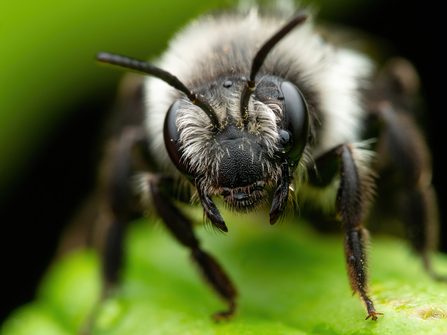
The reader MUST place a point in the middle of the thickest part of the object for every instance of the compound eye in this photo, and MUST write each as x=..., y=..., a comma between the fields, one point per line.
x=172, y=137
x=296, y=120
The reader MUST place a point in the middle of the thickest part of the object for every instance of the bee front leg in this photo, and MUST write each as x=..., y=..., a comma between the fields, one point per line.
x=181, y=229
x=351, y=204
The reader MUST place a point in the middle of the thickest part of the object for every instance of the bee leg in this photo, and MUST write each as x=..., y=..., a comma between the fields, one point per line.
x=404, y=162
x=280, y=197
x=119, y=207
x=406, y=166
x=352, y=202
x=210, y=209
x=419, y=213
x=181, y=228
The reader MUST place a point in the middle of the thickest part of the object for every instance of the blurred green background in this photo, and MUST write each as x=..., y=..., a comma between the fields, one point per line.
x=53, y=97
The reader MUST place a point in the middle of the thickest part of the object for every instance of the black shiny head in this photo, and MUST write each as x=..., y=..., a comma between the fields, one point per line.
x=244, y=158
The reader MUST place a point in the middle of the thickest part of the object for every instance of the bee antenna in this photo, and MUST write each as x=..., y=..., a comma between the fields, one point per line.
x=140, y=66
x=260, y=57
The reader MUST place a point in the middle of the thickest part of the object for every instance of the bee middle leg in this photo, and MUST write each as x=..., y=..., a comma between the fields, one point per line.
x=352, y=201
x=181, y=228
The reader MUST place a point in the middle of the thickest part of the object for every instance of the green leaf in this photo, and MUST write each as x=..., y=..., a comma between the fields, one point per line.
x=291, y=280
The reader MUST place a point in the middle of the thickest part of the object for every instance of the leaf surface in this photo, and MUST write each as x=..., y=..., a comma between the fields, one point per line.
x=291, y=280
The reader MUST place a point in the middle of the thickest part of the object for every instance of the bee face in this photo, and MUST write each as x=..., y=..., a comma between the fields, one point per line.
x=248, y=150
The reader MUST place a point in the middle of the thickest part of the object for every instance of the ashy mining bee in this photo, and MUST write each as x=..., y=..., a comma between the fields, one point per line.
x=241, y=104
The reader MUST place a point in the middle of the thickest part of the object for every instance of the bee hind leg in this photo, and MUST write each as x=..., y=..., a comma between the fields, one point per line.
x=403, y=158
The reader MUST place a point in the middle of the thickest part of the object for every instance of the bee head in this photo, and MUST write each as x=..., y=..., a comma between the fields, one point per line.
x=235, y=135
x=245, y=152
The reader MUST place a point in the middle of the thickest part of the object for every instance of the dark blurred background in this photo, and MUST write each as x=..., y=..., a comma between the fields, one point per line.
x=54, y=98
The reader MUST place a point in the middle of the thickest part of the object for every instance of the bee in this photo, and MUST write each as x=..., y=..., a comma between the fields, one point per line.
x=243, y=105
